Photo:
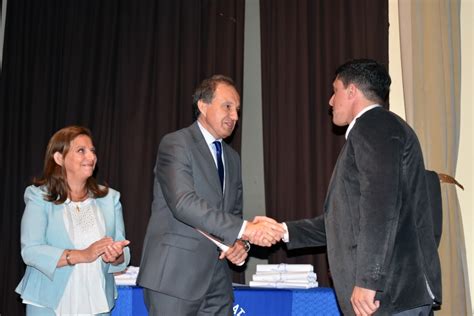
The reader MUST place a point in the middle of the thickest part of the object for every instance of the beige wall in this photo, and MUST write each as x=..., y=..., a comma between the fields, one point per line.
x=465, y=167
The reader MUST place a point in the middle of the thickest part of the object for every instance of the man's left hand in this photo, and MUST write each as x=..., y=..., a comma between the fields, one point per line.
x=235, y=254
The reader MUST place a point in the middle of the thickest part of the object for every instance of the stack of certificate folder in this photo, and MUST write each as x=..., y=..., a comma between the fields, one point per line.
x=127, y=277
x=284, y=276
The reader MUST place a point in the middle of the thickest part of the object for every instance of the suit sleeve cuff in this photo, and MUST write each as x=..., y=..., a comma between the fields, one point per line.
x=286, y=235
x=242, y=230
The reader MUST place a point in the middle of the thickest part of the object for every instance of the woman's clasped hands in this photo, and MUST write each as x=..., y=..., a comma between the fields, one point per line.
x=111, y=251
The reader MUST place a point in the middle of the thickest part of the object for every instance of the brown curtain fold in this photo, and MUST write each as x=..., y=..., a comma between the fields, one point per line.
x=125, y=69
x=303, y=42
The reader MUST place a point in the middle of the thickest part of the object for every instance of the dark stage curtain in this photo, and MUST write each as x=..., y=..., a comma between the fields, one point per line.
x=125, y=69
x=303, y=41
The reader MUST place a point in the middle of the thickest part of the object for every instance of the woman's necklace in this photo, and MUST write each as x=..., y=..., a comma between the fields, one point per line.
x=78, y=200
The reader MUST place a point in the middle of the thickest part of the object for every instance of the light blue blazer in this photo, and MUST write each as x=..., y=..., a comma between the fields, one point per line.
x=44, y=238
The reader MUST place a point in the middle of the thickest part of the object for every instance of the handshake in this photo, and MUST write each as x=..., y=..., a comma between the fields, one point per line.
x=263, y=231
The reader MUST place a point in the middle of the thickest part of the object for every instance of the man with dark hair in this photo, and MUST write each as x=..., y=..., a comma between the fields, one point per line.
x=377, y=223
x=198, y=194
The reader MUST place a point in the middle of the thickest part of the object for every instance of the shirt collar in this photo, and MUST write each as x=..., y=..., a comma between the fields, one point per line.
x=207, y=136
x=367, y=108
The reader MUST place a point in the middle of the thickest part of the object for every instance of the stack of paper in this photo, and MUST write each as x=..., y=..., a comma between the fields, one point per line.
x=290, y=276
x=127, y=277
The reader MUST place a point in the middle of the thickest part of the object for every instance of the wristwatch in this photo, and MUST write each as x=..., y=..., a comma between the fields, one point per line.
x=246, y=244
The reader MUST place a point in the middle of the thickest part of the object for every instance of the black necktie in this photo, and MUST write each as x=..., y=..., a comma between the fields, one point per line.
x=220, y=165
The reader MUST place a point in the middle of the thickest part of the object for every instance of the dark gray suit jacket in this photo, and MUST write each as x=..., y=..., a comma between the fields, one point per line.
x=377, y=221
x=177, y=260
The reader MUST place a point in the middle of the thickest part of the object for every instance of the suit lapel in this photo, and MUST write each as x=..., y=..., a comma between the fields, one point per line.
x=107, y=213
x=228, y=173
x=57, y=213
x=207, y=158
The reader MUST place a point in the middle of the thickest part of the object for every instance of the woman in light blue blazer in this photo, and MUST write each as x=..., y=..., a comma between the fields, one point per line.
x=72, y=233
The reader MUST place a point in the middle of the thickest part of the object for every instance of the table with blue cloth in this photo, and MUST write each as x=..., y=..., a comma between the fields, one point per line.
x=249, y=302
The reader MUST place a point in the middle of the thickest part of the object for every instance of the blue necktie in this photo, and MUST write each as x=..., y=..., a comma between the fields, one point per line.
x=220, y=165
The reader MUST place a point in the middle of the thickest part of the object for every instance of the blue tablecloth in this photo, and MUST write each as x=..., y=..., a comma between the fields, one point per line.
x=285, y=302
x=249, y=302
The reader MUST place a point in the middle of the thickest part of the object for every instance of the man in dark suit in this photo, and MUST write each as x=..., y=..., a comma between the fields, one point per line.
x=198, y=188
x=377, y=224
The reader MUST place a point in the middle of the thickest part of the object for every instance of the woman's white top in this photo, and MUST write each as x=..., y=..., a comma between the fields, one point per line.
x=85, y=290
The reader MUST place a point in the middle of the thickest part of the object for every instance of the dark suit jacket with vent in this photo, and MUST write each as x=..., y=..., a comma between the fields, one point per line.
x=377, y=222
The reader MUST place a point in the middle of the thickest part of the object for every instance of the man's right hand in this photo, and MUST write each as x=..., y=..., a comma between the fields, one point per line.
x=363, y=301
x=263, y=231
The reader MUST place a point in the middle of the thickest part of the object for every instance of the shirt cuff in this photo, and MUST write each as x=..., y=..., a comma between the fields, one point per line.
x=286, y=235
x=242, y=230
